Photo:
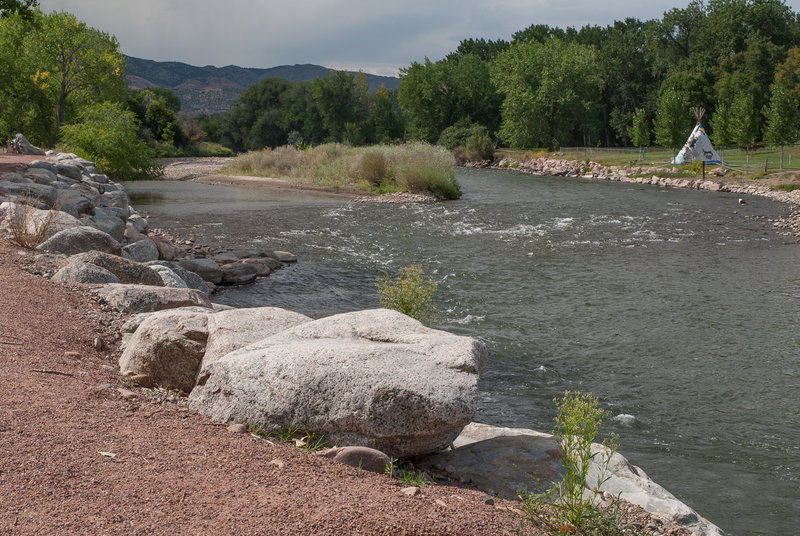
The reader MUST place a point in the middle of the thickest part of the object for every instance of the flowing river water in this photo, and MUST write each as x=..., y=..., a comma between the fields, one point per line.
x=677, y=309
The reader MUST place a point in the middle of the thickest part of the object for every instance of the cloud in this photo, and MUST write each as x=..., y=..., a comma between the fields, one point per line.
x=377, y=35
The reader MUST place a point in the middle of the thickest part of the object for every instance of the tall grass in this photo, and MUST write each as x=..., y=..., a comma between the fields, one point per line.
x=414, y=167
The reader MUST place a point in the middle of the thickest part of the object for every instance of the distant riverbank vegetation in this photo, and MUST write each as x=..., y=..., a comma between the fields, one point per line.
x=412, y=167
x=631, y=83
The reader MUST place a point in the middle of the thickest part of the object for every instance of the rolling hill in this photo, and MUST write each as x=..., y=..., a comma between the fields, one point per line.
x=211, y=90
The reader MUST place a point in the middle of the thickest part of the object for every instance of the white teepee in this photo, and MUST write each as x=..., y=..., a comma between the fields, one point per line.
x=698, y=147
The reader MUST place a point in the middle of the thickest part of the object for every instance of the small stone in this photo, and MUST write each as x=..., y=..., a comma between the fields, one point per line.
x=126, y=394
x=98, y=343
x=142, y=379
x=278, y=463
x=441, y=503
x=106, y=386
x=488, y=500
x=72, y=355
x=238, y=428
x=411, y=491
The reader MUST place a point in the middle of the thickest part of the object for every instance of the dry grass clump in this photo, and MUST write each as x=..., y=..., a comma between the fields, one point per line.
x=29, y=226
x=412, y=167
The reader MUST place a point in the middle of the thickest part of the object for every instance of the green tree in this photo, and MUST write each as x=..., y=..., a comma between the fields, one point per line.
x=672, y=119
x=386, y=115
x=550, y=89
x=25, y=104
x=341, y=101
x=783, y=118
x=721, y=127
x=434, y=96
x=639, y=131
x=744, y=121
x=106, y=134
x=83, y=63
x=24, y=8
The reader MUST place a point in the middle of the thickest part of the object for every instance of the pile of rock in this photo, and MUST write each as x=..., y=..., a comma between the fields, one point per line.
x=369, y=378
x=87, y=219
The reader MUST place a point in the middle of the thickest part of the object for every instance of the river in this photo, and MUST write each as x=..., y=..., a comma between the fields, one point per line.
x=676, y=308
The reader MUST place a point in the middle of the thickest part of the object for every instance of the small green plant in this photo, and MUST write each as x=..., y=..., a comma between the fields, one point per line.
x=411, y=294
x=395, y=469
x=571, y=505
x=311, y=442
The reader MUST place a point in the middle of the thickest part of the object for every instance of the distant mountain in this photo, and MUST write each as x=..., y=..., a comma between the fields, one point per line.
x=212, y=89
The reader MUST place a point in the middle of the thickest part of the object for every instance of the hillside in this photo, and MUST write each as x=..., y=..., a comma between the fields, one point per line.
x=212, y=89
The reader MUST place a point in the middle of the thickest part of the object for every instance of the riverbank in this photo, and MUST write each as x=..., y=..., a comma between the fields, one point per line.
x=61, y=339
x=788, y=225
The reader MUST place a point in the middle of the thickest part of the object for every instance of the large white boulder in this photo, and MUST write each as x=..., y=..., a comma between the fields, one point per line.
x=374, y=378
x=237, y=328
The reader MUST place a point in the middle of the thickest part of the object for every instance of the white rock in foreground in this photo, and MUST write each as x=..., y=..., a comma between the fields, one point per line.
x=374, y=378
x=508, y=460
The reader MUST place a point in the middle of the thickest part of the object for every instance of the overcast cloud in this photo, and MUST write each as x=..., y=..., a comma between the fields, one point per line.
x=378, y=36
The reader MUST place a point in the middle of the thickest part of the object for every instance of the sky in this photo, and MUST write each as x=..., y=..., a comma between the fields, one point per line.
x=378, y=36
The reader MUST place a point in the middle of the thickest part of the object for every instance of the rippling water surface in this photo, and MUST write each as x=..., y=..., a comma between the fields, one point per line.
x=676, y=307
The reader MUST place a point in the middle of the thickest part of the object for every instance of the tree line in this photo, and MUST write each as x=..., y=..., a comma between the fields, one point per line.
x=632, y=82
x=628, y=83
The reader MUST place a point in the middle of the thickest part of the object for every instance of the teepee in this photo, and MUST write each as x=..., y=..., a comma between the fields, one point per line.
x=698, y=146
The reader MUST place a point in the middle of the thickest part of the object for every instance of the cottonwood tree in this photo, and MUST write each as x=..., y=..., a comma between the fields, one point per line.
x=672, y=119
x=743, y=122
x=83, y=65
x=783, y=118
x=548, y=89
x=23, y=7
x=639, y=131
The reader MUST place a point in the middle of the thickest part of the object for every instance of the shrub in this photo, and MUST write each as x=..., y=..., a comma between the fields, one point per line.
x=573, y=508
x=106, y=134
x=456, y=135
x=28, y=226
x=372, y=167
x=479, y=145
x=410, y=293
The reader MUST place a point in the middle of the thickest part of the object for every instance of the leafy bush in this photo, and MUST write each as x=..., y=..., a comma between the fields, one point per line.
x=479, y=145
x=456, y=135
x=573, y=509
x=410, y=293
x=106, y=134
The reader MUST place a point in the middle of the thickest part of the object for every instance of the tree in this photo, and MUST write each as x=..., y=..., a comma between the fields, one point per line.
x=434, y=96
x=550, y=89
x=24, y=8
x=25, y=104
x=639, y=131
x=721, y=127
x=83, y=63
x=341, y=102
x=672, y=119
x=386, y=113
x=783, y=118
x=743, y=122
x=106, y=134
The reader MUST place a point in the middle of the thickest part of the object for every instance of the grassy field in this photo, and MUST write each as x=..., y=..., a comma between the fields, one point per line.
x=413, y=167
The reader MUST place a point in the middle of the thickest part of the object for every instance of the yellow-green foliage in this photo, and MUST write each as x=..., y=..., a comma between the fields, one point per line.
x=410, y=293
x=415, y=166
